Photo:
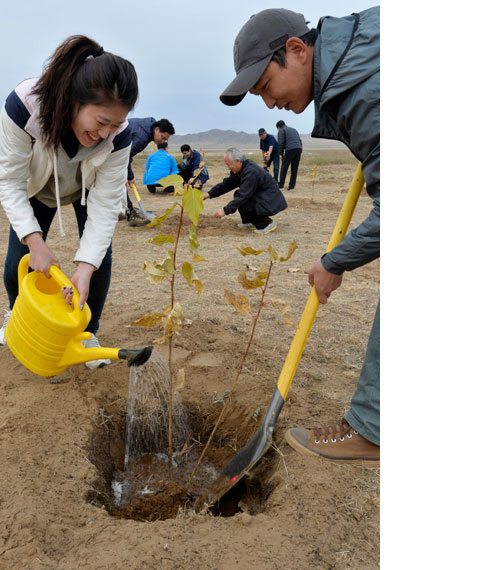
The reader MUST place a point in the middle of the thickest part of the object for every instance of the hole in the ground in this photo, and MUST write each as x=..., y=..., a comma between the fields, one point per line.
x=151, y=489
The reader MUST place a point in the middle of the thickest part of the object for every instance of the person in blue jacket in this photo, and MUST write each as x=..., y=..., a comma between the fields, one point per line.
x=270, y=152
x=159, y=165
x=144, y=131
x=190, y=163
x=336, y=65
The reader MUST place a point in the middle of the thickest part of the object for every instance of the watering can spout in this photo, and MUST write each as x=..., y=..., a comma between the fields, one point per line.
x=135, y=357
x=45, y=334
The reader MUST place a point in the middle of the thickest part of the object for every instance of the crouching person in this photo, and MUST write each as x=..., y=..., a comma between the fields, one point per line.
x=258, y=196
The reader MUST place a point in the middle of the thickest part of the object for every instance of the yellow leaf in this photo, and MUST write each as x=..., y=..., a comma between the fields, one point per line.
x=284, y=308
x=198, y=257
x=172, y=180
x=249, y=250
x=272, y=252
x=198, y=285
x=148, y=320
x=160, y=219
x=173, y=320
x=262, y=272
x=192, y=202
x=247, y=283
x=160, y=240
x=154, y=272
x=291, y=248
x=239, y=302
x=188, y=272
x=168, y=263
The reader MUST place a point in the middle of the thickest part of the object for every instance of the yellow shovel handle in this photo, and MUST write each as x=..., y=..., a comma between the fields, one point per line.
x=307, y=319
x=137, y=197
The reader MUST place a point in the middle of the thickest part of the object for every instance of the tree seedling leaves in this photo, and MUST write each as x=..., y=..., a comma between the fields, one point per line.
x=160, y=219
x=198, y=285
x=148, y=320
x=284, y=308
x=192, y=202
x=173, y=320
x=249, y=250
x=191, y=278
x=160, y=240
x=239, y=302
x=291, y=248
x=272, y=253
x=194, y=244
x=172, y=180
x=168, y=263
x=262, y=272
x=247, y=283
x=154, y=272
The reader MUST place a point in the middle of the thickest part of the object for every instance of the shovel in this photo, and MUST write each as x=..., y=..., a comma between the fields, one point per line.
x=147, y=213
x=249, y=455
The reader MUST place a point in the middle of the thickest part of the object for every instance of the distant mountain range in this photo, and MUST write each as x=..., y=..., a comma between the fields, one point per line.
x=217, y=139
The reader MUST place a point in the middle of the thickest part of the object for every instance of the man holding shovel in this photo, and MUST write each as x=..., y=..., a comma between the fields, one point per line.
x=337, y=65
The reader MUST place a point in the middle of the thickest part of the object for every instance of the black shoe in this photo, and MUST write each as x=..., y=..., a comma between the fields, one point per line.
x=291, y=189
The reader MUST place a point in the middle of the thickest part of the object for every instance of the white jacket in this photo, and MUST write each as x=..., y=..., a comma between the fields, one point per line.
x=26, y=165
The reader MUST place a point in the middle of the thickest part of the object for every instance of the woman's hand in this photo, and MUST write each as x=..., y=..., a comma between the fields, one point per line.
x=81, y=280
x=323, y=281
x=206, y=196
x=41, y=257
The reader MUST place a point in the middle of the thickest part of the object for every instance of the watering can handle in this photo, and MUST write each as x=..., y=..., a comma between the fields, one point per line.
x=54, y=272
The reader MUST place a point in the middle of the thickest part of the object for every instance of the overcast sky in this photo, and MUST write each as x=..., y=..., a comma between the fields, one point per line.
x=182, y=51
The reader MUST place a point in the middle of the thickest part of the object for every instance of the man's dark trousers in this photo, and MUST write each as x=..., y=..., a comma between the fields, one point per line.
x=290, y=158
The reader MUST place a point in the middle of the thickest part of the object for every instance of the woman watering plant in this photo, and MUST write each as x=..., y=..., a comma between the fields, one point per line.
x=64, y=139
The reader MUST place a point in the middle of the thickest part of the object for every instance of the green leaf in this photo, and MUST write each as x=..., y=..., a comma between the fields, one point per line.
x=192, y=202
x=188, y=272
x=249, y=250
x=291, y=248
x=160, y=240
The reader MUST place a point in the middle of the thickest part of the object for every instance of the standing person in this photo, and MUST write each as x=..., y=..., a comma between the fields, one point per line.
x=190, y=164
x=64, y=139
x=144, y=131
x=269, y=148
x=290, y=149
x=159, y=165
x=258, y=196
x=338, y=66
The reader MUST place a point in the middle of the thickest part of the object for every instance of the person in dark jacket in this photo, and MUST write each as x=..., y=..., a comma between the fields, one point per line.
x=290, y=149
x=143, y=132
x=270, y=153
x=257, y=198
x=190, y=164
x=337, y=65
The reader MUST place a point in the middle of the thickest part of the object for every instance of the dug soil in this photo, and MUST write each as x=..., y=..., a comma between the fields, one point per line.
x=62, y=439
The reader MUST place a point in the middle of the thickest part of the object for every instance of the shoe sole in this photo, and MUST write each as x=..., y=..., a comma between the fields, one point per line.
x=268, y=231
x=306, y=451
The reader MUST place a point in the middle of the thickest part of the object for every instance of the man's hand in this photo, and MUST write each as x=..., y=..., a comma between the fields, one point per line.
x=41, y=257
x=131, y=182
x=220, y=214
x=323, y=281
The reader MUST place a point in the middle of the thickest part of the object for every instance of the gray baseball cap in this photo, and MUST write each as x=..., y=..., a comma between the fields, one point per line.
x=265, y=33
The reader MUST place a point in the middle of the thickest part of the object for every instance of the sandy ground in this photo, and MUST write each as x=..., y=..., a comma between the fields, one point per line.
x=293, y=511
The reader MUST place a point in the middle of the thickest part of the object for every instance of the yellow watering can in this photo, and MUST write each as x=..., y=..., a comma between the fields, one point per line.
x=45, y=334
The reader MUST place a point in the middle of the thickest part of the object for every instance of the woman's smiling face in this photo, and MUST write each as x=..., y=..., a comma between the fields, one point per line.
x=93, y=123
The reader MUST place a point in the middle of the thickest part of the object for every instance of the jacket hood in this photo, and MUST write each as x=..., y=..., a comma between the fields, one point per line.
x=346, y=53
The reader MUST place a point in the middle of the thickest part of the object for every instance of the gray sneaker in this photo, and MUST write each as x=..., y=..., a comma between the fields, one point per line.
x=137, y=218
x=247, y=226
x=2, y=330
x=270, y=228
x=94, y=343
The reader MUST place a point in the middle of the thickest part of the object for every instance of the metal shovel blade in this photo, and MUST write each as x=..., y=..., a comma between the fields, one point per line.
x=249, y=455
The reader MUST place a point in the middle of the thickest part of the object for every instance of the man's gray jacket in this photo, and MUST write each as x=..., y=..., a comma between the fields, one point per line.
x=347, y=108
x=288, y=139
